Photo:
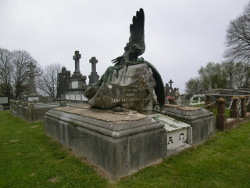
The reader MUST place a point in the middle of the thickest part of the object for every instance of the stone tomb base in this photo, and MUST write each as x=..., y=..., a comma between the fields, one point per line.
x=119, y=143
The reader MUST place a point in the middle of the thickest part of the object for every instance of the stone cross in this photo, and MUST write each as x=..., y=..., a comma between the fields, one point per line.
x=31, y=66
x=93, y=62
x=171, y=82
x=76, y=57
x=93, y=77
x=32, y=88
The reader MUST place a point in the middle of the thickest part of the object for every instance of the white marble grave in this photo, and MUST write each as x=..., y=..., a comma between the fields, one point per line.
x=178, y=133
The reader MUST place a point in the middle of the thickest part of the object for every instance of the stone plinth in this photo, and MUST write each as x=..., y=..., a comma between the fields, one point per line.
x=234, y=111
x=201, y=120
x=221, y=116
x=119, y=143
x=243, y=106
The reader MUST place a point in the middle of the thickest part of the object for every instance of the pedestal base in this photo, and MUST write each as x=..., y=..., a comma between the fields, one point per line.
x=119, y=143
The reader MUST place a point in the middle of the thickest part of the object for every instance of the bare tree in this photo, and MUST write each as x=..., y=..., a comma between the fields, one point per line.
x=21, y=60
x=238, y=38
x=48, y=81
x=14, y=72
x=240, y=73
x=5, y=73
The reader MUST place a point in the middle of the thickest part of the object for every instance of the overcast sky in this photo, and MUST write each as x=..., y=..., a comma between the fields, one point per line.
x=180, y=35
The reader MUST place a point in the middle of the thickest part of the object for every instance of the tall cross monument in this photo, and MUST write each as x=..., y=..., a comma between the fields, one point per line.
x=77, y=57
x=32, y=88
x=171, y=82
x=33, y=97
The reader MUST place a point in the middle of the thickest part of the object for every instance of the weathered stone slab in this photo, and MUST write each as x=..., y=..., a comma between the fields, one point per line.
x=31, y=112
x=119, y=143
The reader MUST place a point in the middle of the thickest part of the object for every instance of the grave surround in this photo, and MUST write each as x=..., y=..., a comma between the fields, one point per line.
x=118, y=143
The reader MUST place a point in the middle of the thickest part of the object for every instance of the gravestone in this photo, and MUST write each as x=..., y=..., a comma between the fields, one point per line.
x=172, y=94
x=32, y=97
x=171, y=91
x=77, y=83
x=93, y=77
x=63, y=83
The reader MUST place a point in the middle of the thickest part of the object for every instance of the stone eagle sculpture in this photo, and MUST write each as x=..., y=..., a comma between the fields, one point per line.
x=123, y=67
x=136, y=45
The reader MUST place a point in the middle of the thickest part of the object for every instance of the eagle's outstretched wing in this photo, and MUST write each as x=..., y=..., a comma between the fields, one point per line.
x=137, y=30
x=136, y=39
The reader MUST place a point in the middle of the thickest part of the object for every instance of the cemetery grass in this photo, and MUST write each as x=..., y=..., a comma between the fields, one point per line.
x=28, y=158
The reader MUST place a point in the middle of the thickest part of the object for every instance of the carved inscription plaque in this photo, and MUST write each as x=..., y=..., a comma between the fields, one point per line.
x=75, y=84
x=132, y=89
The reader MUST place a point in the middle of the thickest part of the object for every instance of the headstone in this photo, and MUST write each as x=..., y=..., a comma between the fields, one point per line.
x=33, y=97
x=191, y=99
x=93, y=77
x=178, y=133
x=63, y=83
x=169, y=91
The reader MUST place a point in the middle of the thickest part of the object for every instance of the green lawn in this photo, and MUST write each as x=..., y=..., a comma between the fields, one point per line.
x=28, y=158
